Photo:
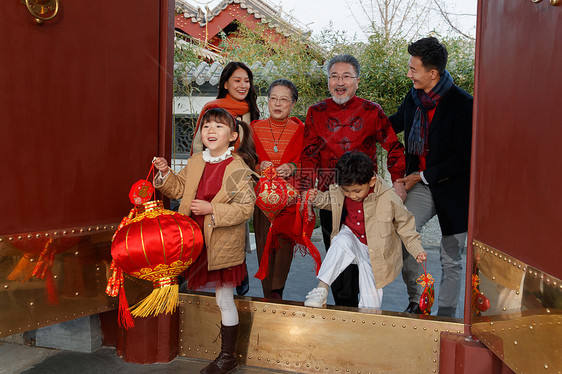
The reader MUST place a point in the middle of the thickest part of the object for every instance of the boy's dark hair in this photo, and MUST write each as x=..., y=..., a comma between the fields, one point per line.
x=431, y=52
x=354, y=168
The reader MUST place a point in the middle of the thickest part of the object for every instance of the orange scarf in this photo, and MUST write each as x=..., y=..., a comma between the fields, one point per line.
x=234, y=107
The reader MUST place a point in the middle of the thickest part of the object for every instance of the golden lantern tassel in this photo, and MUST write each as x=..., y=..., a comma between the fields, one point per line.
x=163, y=299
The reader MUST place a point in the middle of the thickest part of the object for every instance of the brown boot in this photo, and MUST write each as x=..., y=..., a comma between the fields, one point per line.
x=226, y=361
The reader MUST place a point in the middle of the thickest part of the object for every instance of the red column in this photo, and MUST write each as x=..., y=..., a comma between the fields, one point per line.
x=462, y=355
x=153, y=339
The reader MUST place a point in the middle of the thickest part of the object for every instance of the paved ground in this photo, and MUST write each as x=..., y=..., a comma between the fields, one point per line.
x=19, y=358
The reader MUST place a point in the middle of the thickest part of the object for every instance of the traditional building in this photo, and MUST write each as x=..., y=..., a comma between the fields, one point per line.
x=206, y=26
x=205, y=30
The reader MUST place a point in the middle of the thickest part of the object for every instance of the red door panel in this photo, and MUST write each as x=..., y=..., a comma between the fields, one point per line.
x=81, y=108
x=516, y=202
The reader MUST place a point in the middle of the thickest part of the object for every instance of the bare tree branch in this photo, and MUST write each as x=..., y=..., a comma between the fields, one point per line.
x=446, y=17
x=392, y=18
x=401, y=18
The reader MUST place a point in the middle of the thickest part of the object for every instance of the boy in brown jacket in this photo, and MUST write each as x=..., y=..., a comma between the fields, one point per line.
x=369, y=222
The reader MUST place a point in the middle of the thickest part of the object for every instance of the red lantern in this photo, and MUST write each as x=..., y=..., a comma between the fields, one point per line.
x=480, y=303
x=428, y=295
x=157, y=245
x=280, y=202
x=274, y=193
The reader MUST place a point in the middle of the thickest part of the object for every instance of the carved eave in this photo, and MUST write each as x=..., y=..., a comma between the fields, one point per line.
x=258, y=9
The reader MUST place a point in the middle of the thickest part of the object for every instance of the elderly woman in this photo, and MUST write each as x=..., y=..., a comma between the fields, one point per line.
x=279, y=142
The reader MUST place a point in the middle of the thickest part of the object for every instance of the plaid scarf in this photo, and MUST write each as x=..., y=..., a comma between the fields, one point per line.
x=417, y=140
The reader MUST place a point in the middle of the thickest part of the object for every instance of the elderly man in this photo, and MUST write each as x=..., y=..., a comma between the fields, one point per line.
x=338, y=124
x=436, y=117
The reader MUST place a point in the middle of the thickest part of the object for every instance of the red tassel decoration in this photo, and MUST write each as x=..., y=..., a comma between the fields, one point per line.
x=307, y=228
x=53, y=299
x=38, y=259
x=43, y=271
x=125, y=318
x=264, y=262
x=125, y=221
x=116, y=287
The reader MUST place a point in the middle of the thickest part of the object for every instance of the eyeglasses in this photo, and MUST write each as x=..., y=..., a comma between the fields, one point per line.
x=346, y=78
x=282, y=100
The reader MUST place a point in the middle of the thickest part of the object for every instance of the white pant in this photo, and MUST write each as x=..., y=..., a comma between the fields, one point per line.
x=346, y=249
x=224, y=296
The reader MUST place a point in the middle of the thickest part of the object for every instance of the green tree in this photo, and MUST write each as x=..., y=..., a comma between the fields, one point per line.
x=461, y=61
x=184, y=55
x=384, y=64
x=295, y=58
x=383, y=76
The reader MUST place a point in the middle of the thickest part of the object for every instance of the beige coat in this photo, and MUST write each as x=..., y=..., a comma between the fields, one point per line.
x=233, y=205
x=387, y=221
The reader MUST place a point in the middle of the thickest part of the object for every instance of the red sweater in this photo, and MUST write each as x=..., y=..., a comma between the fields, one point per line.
x=332, y=129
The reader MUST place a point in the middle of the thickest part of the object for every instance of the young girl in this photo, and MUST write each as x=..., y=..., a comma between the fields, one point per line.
x=216, y=188
x=238, y=96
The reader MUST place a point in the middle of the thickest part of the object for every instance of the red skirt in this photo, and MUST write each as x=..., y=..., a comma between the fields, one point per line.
x=199, y=277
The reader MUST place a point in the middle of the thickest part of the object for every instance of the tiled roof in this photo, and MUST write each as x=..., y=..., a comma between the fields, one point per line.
x=274, y=18
x=203, y=72
x=201, y=52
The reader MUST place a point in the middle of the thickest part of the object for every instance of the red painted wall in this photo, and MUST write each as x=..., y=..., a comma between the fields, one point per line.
x=516, y=184
x=85, y=101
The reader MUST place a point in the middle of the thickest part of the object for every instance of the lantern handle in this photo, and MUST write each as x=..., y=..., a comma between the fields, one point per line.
x=150, y=171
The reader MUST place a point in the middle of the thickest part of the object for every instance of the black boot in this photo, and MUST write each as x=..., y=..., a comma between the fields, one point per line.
x=414, y=308
x=226, y=361
x=277, y=294
x=244, y=287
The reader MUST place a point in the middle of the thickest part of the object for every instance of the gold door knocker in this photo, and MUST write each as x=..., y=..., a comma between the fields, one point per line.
x=552, y=2
x=42, y=10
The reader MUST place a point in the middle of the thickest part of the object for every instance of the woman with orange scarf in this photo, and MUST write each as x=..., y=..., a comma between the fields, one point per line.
x=279, y=142
x=237, y=95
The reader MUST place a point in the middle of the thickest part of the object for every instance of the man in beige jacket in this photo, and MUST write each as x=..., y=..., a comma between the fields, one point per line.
x=369, y=224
